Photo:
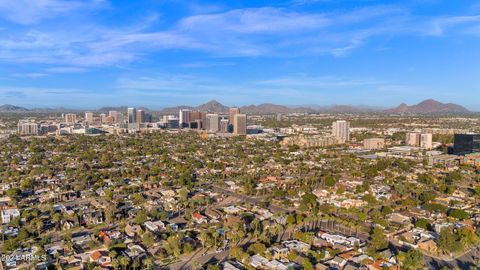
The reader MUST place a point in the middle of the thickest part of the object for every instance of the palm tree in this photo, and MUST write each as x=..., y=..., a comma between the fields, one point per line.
x=148, y=263
x=115, y=263
x=124, y=261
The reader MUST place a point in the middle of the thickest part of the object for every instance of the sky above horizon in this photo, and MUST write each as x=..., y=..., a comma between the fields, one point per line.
x=159, y=53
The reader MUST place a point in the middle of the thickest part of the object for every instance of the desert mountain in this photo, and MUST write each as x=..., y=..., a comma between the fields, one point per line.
x=429, y=106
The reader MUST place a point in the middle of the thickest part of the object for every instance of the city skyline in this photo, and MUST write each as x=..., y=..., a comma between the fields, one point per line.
x=88, y=54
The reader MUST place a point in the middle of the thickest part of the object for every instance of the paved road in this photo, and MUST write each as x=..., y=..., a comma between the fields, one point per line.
x=186, y=263
x=465, y=261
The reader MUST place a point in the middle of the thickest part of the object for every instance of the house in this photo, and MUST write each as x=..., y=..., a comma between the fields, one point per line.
x=400, y=219
x=154, y=226
x=213, y=213
x=232, y=209
x=321, y=266
x=132, y=230
x=258, y=261
x=8, y=214
x=93, y=218
x=80, y=239
x=232, y=265
x=428, y=245
x=199, y=218
x=278, y=253
x=338, y=261
x=101, y=258
x=135, y=251
x=276, y=265
x=296, y=245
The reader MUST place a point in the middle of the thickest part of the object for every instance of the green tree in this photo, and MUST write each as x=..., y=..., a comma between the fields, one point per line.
x=413, y=260
x=307, y=265
x=148, y=239
x=377, y=241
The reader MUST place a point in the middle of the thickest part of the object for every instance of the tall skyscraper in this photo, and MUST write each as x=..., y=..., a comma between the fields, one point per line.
x=27, y=128
x=103, y=118
x=114, y=115
x=426, y=141
x=70, y=118
x=200, y=119
x=212, y=123
x=341, y=130
x=140, y=116
x=466, y=144
x=224, y=125
x=184, y=118
x=240, y=124
x=132, y=115
x=89, y=117
x=412, y=139
x=231, y=117
x=231, y=113
x=423, y=140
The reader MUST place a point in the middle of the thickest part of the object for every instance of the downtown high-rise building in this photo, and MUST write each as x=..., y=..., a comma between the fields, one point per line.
x=412, y=139
x=27, y=128
x=70, y=118
x=212, y=123
x=89, y=117
x=416, y=139
x=199, y=120
x=232, y=112
x=240, y=124
x=140, y=118
x=132, y=115
x=103, y=118
x=341, y=130
x=114, y=115
x=224, y=125
x=465, y=144
x=426, y=141
x=184, y=118
x=231, y=116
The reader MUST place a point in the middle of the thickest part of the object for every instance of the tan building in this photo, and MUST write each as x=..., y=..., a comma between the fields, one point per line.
x=374, y=143
x=140, y=116
x=27, y=128
x=412, y=139
x=114, y=115
x=70, y=118
x=224, y=125
x=212, y=122
x=341, y=130
x=231, y=115
x=240, y=124
x=89, y=117
x=311, y=141
x=426, y=141
x=423, y=140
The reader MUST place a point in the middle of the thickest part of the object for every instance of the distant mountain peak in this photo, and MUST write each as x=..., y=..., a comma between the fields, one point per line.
x=429, y=106
x=212, y=106
x=12, y=108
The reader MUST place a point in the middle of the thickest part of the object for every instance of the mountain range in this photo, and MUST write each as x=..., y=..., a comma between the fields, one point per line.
x=428, y=106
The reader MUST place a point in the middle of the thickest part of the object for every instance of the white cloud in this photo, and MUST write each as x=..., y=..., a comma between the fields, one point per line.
x=66, y=70
x=254, y=21
x=31, y=11
x=29, y=75
x=267, y=31
x=439, y=26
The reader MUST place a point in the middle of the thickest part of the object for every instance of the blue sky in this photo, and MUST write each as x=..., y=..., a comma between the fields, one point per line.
x=157, y=53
